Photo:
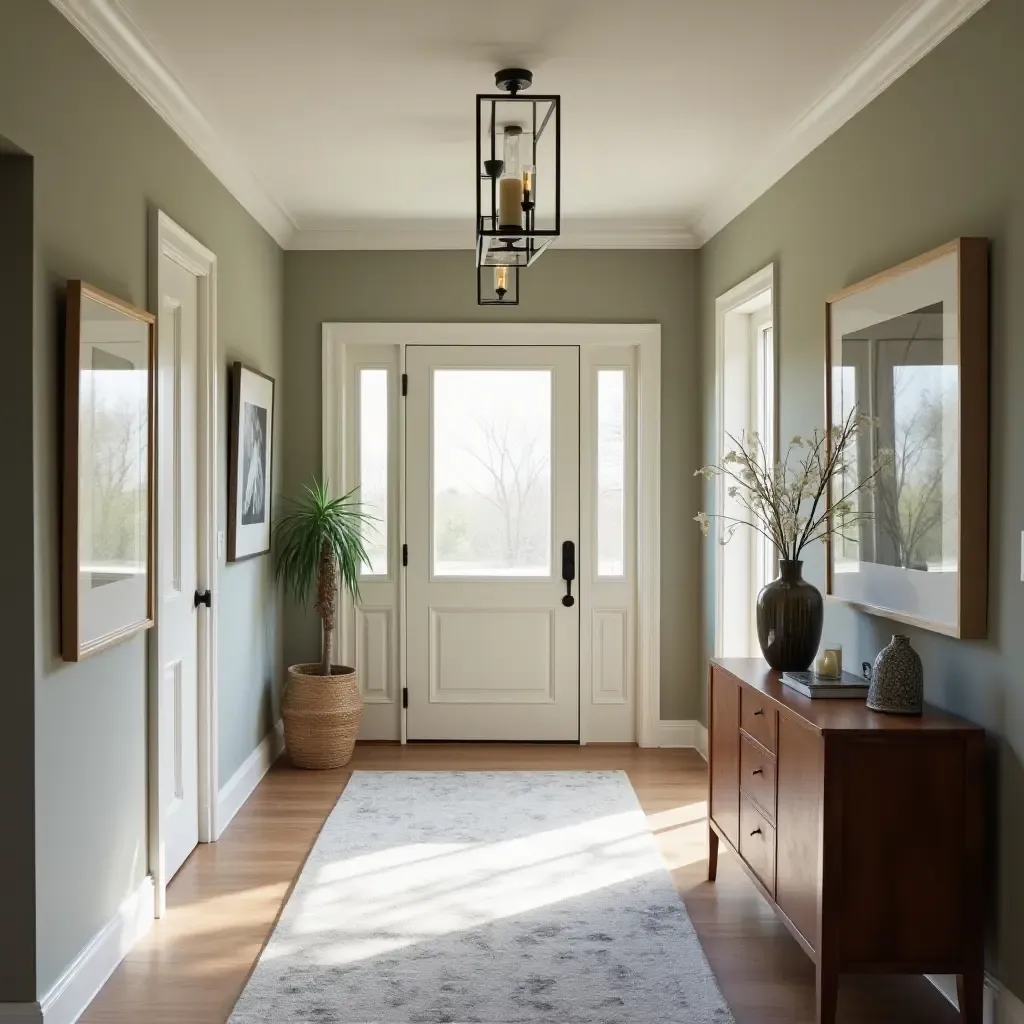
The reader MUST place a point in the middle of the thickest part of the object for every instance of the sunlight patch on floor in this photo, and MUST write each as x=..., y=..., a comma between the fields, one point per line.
x=401, y=896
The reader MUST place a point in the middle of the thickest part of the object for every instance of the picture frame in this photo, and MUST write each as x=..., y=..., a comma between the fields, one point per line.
x=250, y=463
x=909, y=348
x=108, y=529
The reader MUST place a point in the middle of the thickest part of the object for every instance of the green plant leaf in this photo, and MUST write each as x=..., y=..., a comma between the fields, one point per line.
x=307, y=523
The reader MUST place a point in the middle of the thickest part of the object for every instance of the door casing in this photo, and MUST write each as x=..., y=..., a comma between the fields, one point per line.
x=338, y=339
x=169, y=239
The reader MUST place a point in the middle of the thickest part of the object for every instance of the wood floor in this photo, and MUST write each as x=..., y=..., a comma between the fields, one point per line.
x=223, y=903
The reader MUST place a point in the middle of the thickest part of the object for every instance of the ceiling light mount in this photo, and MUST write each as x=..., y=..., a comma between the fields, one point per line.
x=513, y=80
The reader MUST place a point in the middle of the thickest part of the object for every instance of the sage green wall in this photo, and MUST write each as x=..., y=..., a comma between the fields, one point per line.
x=939, y=154
x=568, y=286
x=103, y=160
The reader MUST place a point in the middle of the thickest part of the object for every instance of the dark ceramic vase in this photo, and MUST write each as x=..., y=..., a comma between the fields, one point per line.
x=790, y=614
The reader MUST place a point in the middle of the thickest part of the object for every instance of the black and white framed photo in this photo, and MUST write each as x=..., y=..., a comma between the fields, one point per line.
x=252, y=432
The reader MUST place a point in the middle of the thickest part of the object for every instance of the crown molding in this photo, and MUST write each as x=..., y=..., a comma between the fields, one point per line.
x=917, y=28
x=111, y=31
x=389, y=234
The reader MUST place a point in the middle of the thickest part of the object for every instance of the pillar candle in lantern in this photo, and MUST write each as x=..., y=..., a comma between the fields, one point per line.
x=510, y=202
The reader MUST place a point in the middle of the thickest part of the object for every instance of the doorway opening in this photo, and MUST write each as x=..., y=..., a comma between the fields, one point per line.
x=512, y=590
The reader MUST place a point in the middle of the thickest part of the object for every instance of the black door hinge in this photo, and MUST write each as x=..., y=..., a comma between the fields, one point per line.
x=405, y=384
x=405, y=696
x=405, y=554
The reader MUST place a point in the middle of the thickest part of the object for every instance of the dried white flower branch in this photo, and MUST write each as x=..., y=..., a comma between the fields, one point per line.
x=788, y=504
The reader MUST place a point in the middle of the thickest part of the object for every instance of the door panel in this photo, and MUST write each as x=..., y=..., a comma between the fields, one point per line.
x=178, y=552
x=492, y=494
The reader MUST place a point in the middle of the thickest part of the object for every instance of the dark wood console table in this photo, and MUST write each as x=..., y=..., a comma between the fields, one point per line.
x=865, y=832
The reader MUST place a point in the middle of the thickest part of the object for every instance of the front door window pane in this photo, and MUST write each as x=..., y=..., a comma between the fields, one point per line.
x=492, y=472
x=373, y=467
x=611, y=472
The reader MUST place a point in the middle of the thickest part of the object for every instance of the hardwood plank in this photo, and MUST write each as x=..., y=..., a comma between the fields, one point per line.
x=223, y=903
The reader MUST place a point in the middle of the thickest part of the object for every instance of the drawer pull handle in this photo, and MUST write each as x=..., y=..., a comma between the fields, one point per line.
x=757, y=771
x=759, y=711
x=756, y=832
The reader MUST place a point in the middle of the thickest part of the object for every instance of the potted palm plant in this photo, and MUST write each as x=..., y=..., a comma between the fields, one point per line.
x=319, y=543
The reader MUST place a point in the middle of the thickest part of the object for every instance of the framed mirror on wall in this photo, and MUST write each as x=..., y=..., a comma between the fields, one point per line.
x=107, y=551
x=909, y=349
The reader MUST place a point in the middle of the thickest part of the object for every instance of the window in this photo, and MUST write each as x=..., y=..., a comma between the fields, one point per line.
x=745, y=373
x=491, y=472
x=611, y=472
x=373, y=466
x=763, y=564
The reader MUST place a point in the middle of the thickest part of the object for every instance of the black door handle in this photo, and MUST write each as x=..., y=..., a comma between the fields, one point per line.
x=568, y=571
x=204, y=598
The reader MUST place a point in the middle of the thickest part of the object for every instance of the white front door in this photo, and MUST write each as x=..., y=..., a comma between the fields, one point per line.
x=492, y=476
x=177, y=687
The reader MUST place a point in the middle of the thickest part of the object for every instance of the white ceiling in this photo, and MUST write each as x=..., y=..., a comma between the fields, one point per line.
x=349, y=123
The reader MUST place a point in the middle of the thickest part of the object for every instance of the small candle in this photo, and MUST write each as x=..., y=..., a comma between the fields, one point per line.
x=528, y=179
x=826, y=666
x=836, y=650
x=501, y=281
x=510, y=202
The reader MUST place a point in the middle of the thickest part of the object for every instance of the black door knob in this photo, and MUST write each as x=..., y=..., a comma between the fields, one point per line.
x=204, y=598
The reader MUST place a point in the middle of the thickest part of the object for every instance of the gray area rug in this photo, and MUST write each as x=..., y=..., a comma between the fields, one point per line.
x=497, y=897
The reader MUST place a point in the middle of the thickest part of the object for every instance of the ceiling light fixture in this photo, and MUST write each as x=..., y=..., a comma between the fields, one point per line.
x=518, y=210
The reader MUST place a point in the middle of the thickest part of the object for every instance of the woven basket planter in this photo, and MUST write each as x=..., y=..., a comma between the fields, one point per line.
x=321, y=716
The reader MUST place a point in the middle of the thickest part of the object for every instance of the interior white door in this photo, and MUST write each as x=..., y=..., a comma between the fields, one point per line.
x=177, y=688
x=492, y=469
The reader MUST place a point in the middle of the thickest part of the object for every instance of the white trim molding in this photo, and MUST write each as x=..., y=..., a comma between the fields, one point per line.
x=76, y=988
x=171, y=240
x=110, y=29
x=1001, y=1006
x=916, y=29
x=687, y=733
x=608, y=233
x=241, y=785
x=646, y=340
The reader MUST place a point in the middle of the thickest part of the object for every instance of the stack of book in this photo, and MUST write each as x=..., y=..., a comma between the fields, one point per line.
x=812, y=685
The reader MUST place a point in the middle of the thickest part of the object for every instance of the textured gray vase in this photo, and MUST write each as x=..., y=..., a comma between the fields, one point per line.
x=790, y=614
x=897, y=679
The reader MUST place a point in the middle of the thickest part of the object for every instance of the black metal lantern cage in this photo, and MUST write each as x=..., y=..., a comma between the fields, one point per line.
x=493, y=291
x=498, y=245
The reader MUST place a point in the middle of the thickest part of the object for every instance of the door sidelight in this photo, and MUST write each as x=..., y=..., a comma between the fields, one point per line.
x=568, y=571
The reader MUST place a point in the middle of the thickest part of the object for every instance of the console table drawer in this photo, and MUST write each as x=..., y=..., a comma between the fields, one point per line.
x=757, y=843
x=757, y=775
x=757, y=718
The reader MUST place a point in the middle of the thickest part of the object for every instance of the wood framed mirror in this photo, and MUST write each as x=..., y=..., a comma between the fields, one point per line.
x=908, y=348
x=107, y=578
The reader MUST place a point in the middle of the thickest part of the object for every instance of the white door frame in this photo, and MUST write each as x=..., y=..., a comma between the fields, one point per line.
x=646, y=339
x=168, y=239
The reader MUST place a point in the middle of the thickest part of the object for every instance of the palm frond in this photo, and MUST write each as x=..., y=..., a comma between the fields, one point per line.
x=308, y=523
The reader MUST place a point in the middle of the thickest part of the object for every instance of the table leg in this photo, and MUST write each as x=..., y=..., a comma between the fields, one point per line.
x=970, y=993
x=712, y=854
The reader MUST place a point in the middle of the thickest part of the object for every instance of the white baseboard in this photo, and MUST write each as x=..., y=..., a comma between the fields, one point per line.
x=76, y=988
x=239, y=787
x=1001, y=1005
x=682, y=733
